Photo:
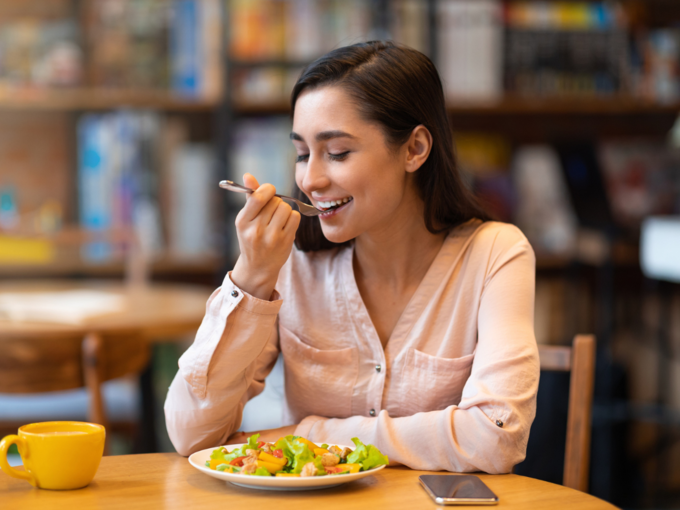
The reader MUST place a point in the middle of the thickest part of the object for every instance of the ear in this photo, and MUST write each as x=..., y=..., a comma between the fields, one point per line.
x=418, y=148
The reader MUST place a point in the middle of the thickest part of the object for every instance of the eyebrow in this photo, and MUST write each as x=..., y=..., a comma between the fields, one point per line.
x=323, y=135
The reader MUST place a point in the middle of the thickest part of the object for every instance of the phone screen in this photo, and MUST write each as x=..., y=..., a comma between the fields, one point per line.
x=458, y=490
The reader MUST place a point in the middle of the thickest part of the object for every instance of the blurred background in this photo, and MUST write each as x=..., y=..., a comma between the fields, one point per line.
x=124, y=114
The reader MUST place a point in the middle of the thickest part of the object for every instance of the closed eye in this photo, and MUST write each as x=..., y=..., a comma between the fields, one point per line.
x=301, y=157
x=338, y=157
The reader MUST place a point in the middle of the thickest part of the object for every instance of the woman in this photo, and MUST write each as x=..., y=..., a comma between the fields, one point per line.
x=403, y=317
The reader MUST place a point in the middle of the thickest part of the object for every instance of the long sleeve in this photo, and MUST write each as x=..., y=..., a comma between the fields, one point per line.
x=234, y=350
x=488, y=430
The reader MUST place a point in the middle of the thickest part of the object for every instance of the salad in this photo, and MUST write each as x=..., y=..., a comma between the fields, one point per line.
x=295, y=456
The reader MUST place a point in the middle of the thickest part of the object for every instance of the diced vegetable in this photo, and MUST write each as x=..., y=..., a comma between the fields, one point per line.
x=278, y=453
x=349, y=468
x=309, y=444
x=288, y=474
x=272, y=468
x=238, y=461
x=272, y=460
x=320, y=451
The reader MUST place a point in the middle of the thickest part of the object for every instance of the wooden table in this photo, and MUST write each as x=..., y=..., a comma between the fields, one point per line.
x=158, y=311
x=166, y=480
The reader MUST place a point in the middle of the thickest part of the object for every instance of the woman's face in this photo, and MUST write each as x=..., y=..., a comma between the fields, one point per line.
x=345, y=166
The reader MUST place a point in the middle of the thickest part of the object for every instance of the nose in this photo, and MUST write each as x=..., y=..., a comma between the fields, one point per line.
x=312, y=176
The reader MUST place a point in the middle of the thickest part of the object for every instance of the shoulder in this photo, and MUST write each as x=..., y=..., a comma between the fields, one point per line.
x=493, y=244
x=497, y=236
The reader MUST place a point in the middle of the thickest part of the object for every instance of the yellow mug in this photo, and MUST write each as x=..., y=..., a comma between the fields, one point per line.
x=57, y=455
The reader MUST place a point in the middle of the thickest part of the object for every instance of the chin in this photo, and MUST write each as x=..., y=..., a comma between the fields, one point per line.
x=337, y=237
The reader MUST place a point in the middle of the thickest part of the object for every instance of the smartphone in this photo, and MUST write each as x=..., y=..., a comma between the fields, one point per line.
x=457, y=490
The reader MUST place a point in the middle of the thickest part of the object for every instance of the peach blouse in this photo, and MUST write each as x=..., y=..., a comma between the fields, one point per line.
x=454, y=388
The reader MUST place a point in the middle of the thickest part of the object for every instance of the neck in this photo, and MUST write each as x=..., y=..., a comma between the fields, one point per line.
x=399, y=254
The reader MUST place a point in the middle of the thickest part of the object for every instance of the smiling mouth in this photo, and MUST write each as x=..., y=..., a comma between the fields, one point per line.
x=332, y=204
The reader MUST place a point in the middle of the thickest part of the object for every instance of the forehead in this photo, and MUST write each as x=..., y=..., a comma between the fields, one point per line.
x=325, y=109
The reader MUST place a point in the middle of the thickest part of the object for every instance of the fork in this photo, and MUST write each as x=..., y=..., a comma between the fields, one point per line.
x=305, y=209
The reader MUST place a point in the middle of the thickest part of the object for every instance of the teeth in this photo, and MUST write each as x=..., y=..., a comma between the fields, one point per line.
x=333, y=203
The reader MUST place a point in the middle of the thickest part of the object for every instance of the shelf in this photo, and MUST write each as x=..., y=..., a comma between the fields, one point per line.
x=162, y=266
x=512, y=105
x=99, y=99
x=619, y=106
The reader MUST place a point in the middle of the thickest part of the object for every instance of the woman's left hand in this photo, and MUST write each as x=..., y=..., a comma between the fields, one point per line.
x=269, y=435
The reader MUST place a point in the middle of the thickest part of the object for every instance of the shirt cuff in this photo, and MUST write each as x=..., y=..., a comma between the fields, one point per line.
x=251, y=303
x=304, y=429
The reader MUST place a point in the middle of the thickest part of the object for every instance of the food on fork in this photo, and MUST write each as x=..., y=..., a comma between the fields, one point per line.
x=295, y=456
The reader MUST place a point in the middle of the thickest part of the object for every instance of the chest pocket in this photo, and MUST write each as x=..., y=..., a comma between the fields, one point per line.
x=430, y=383
x=318, y=382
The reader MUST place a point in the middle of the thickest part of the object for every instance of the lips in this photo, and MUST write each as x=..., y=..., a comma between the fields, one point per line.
x=334, y=209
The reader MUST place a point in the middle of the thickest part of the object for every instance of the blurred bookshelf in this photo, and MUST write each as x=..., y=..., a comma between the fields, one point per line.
x=540, y=94
x=84, y=99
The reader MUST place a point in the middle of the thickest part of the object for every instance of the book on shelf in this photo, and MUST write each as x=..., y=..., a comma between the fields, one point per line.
x=261, y=147
x=40, y=53
x=195, y=48
x=566, y=49
x=172, y=45
x=409, y=24
x=470, y=49
x=192, y=182
x=127, y=180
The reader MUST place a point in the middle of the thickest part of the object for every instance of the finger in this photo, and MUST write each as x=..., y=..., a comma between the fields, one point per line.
x=269, y=210
x=258, y=201
x=280, y=216
x=249, y=181
x=293, y=223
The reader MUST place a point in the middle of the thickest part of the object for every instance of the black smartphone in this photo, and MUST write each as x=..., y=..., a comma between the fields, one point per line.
x=457, y=490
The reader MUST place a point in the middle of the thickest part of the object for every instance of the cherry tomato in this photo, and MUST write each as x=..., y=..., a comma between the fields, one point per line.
x=260, y=444
x=278, y=453
x=238, y=461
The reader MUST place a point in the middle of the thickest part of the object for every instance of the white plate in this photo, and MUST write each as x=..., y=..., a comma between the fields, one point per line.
x=282, y=483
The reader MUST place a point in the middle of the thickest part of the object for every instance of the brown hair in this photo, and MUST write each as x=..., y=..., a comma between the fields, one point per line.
x=399, y=89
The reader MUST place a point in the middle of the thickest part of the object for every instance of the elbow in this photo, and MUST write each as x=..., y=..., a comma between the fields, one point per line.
x=509, y=451
x=180, y=439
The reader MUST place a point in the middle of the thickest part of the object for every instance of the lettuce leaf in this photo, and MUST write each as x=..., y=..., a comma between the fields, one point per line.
x=298, y=454
x=261, y=472
x=366, y=455
x=236, y=452
x=217, y=453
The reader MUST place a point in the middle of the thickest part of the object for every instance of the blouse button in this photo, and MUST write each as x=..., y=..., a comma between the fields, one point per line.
x=499, y=423
x=372, y=412
x=378, y=368
x=234, y=293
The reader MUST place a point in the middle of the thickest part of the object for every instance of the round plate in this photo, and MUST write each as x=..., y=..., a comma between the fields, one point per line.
x=283, y=483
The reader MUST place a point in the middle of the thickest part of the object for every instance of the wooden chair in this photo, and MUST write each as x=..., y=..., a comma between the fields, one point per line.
x=580, y=361
x=59, y=362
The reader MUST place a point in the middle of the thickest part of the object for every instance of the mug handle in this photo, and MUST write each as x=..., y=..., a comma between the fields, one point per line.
x=6, y=442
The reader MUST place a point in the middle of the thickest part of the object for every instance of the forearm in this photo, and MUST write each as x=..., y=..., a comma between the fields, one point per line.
x=453, y=439
x=234, y=350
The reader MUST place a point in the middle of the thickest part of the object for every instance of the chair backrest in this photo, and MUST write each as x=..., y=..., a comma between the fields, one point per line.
x=61, y=362
x=580, y=361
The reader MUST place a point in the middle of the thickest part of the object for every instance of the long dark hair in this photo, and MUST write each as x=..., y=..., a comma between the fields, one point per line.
x=399, y=88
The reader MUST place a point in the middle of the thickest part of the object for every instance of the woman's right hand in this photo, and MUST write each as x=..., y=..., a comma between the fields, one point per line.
x=266, y=229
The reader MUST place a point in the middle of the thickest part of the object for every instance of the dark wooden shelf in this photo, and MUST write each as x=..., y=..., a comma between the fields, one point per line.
x=100, y=99
x=617, y=106
x=161, y=266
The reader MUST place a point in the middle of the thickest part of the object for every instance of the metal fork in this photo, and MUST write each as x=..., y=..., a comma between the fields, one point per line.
x=306, y=209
